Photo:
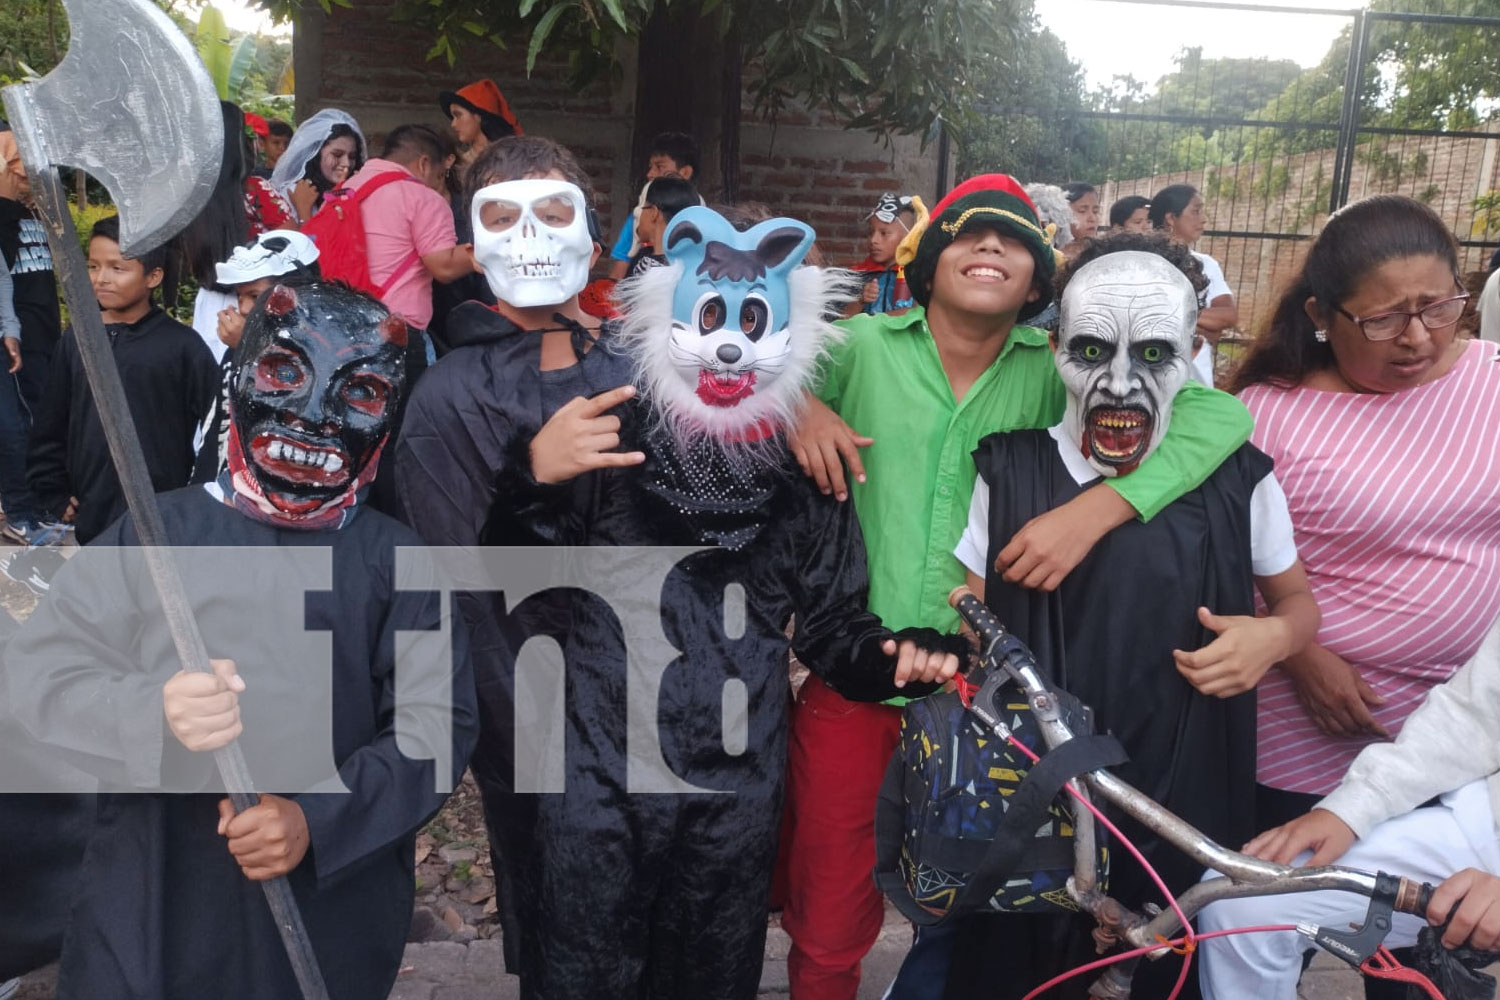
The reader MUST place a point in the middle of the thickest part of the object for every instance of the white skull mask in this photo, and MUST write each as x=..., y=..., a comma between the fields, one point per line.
x=531, y=239
x=1124, y=349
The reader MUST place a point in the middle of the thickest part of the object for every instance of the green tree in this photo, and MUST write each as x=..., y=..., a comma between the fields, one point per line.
x=894, y=66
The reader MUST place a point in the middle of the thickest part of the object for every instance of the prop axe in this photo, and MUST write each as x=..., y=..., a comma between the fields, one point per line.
x=132, y=105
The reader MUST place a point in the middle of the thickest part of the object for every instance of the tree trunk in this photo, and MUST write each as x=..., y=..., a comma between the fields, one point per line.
x=676, y=90
x=731, y=91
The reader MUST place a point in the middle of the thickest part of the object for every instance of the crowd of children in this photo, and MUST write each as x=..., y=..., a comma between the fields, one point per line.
x=1014, y=395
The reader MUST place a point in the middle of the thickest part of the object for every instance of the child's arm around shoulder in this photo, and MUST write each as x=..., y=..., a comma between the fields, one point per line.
x=1207, y=427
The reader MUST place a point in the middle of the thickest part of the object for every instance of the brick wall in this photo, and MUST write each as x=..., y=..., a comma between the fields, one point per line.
x=805, y=166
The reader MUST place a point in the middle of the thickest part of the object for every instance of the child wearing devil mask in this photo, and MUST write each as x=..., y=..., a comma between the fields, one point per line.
x=167, y=905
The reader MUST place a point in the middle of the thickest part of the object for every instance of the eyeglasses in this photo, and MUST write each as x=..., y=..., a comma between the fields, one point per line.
x=1437, y=315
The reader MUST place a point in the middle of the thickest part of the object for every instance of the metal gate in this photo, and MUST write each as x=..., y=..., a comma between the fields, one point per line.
x=1271, y=169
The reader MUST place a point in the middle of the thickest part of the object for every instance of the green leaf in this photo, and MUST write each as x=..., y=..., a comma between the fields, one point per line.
x=212, y=42
x=240, y=63
x=475, y=28
x=540, y=32
x=525, y=7
x=854, y=69
x=617, y=12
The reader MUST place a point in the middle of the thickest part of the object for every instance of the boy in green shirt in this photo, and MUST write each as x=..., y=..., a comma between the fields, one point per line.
x=927, y=385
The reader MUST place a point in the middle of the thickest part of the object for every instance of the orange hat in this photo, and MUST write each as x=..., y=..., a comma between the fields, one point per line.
x=483, y=98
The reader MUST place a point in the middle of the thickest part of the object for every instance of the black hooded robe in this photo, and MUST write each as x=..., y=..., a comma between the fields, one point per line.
x=163, y=911
x=620, y=893
x=1107, y=634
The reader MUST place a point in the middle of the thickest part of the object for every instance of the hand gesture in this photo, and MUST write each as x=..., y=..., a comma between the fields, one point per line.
x=580, y=437
x=13, y=348
x=1334, y=694
x=1476, y=919
x=203, y=710
x=231, y=327
x=913, y=663
x=822, y=442
x=267, y=840
x=1236, y=661
x=1320, y=831
x=870, y=293
x=303, y=197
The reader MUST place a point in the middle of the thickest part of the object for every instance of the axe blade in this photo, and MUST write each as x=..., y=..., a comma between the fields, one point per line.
x=132, y=105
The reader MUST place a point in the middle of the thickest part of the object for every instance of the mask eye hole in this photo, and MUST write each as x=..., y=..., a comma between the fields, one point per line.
x=498, y=216
x=755, y=316
x=279, y=371
x=1090, y=350
x=555, y=211
x=711, y=315
x=366, y=392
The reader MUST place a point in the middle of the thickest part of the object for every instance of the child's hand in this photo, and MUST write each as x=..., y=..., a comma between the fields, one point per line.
x=870, y=293
x=267, y=840
x=822, y=443
x=1049, y=546
x=913, y=663
x=1236, y=661
x=1320, y=831
x=203, y=710
x=70, y=513
x=1476, y=894
x=13, y=348
x=303, y=197
x=231, y=327
x=579, y=437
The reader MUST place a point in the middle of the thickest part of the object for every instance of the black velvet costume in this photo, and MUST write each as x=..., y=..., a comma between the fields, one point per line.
x=163, y=911
x=622, y=894
x=1108, y=634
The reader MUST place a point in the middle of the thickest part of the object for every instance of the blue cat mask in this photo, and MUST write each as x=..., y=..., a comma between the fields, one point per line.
x=727, y=335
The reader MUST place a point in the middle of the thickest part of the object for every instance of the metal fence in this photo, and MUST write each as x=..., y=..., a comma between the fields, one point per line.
x=1274, y=151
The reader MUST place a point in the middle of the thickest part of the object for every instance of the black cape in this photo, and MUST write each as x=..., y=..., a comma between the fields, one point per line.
x=163, y=911
x=170, y=379
x=656, y=895
x=1107, y=634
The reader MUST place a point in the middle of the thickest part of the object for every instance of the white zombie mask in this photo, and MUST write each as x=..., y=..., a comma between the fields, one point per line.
x=531, y=239
x=1125, y=346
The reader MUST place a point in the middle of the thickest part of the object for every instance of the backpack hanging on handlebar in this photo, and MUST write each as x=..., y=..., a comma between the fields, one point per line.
x=966, y=823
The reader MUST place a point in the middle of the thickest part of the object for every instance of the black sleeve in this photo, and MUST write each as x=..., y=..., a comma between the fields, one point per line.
x=835, y=635
x=451, y=449
x=47, y=455
x=72, y=682
x=391, y=793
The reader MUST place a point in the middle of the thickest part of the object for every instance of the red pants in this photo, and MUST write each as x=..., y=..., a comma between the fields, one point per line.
x=836, y=759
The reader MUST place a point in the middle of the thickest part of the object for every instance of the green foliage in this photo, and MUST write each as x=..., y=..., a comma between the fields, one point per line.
x=887, y=65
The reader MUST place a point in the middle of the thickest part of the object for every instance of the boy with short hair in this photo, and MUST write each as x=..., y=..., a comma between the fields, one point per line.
x=927, y=386
x=662, y=199
x=279, y=133
x=885, y=289
x=169, y=377
x=672, y=153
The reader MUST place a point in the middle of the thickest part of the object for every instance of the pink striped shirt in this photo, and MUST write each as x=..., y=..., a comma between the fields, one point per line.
x=1395, y=501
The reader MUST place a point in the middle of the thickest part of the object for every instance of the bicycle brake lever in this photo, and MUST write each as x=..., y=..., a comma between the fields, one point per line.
x=1358, y=945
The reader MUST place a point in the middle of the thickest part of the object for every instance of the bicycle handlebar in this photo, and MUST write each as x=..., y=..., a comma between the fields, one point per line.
x=1244, y=875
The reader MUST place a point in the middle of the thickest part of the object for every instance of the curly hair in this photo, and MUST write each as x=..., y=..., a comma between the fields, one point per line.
x=1177, y=254
x=1053, y=206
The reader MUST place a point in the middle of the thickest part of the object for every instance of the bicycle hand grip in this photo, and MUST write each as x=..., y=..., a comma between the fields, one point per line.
x=979, y=618
x=1414, y=897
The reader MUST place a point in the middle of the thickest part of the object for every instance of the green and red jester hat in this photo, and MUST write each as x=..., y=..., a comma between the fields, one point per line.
x=995, y=200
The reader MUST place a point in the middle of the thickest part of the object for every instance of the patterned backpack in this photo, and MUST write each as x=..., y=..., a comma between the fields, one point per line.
x=966, y=822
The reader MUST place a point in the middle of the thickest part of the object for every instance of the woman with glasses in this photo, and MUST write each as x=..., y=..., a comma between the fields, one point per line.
x=1384, y=425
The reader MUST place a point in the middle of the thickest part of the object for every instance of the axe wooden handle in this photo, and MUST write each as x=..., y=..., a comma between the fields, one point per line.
x=130, y=463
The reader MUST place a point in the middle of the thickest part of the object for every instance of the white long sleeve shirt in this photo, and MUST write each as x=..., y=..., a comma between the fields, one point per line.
x=1452, y=738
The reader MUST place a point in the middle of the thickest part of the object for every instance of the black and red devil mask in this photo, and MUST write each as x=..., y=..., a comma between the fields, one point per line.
x=317, y=380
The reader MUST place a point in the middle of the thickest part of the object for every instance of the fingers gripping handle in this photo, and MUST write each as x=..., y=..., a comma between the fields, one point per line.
x=1414, y=897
